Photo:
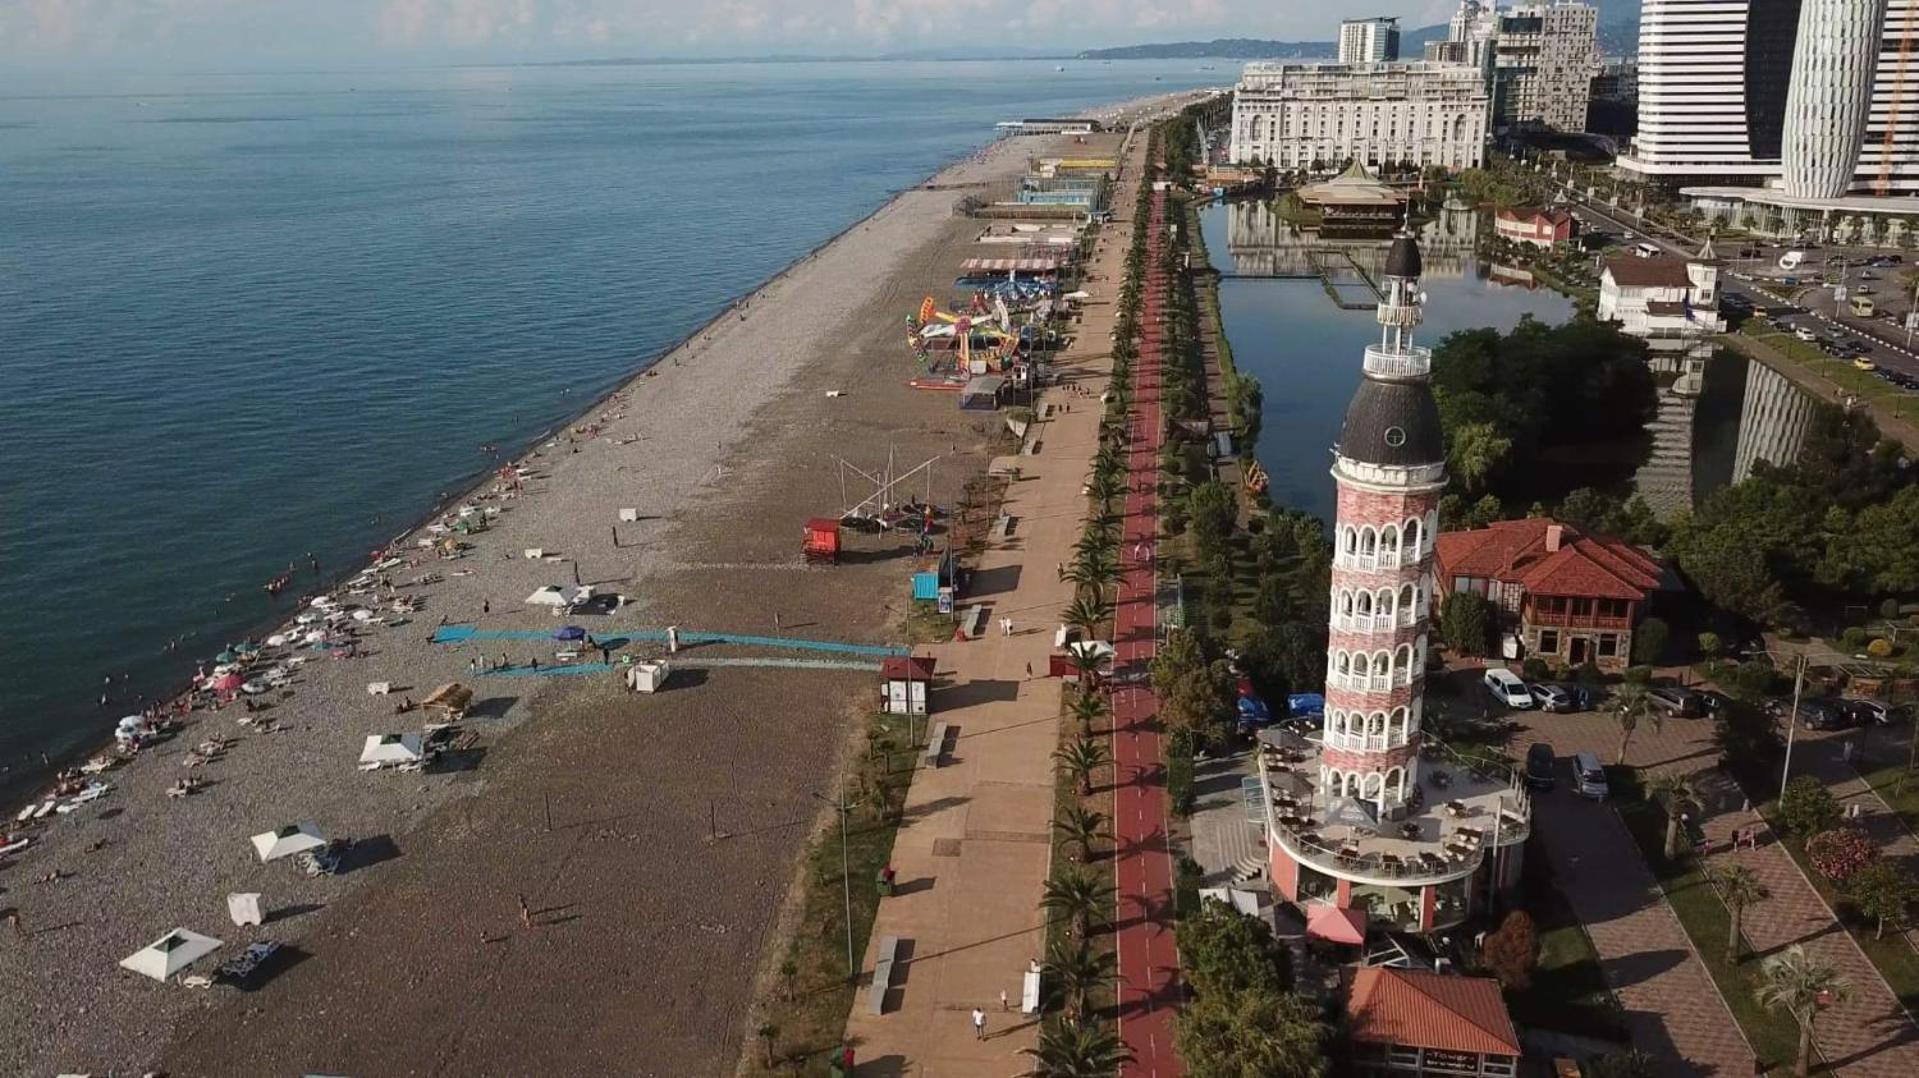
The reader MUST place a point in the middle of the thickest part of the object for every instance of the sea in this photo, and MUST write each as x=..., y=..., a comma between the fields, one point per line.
x=248, y=319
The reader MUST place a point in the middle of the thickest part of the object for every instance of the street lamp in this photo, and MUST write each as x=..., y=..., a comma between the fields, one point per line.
x=846, y=877
x=1792, y=720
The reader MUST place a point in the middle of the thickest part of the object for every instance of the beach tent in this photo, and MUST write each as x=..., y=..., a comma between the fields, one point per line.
x=452, y=698
x=551, y=595
x=170, y=954
x=287, y=841
x=390, y=750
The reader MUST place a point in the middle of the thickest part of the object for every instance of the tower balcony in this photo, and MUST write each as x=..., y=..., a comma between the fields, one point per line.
x=1406, y=315
x=1414, y=362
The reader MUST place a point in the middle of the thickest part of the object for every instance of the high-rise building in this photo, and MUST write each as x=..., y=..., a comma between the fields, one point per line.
x=1369, y=41
x=1362, y=817
x=1817, y=99
x=1540, y=58
x=1302, y=116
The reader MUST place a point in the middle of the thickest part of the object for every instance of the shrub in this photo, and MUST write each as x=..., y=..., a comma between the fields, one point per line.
x=1466, y=622
x=1639, y=675
x=1589, y=673
x=1853, y=638
x=1710, y=645
x=1807, y=807
x=1880, y=648
x=1511, y=952
x=1535, y=669
x=1840, y=853
x=1889, y=609
x=1753, y=679
x=1649, y=642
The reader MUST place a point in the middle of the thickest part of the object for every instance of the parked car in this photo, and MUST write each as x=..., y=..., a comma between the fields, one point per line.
x=1805, y=334
x=1713, y=700
x=1551, y=698
x=1876, y=712
x=1822, y=715
x=1589, y=776
x=1505, y=687
x=1540, y=763
x=1677, y=702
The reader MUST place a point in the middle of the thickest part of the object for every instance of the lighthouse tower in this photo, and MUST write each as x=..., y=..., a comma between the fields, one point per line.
x=1390, y=469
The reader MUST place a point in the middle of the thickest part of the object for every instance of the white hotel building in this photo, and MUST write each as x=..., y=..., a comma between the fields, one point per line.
x=1299, y=116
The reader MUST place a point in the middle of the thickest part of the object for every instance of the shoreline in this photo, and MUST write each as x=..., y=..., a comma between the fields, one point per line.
x=29, y=785
x=155, y=862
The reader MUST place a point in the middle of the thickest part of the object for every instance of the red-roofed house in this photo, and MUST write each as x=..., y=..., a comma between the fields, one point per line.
x=1570, y=597
x=1412, y=1022
x=1529, y=224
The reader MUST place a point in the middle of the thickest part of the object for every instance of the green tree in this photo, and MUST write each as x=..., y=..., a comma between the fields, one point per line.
x=1085, y=613
x=1885, y=892
x=1079, y=969
x=1079, y=827
x=1079, y=759
x=1466, y=623
x=1631, y=1063
x=1740, y=889
x=1076, y=897
x=1649, y=641
x=1260, y=1034
x=1088, y=708
x=1215, y=514
x=1474, y=453
x=1711, y=646
x=1225, y=952
x=1633, y=704
x=1680, y=796
x=1799, y=984
x=1076, y=1049
x=1807, y=808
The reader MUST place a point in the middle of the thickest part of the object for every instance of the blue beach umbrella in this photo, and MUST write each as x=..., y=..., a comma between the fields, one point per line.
x=569, y=632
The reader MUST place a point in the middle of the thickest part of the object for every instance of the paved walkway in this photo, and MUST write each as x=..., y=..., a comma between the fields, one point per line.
x=1827, y=759
x=1148, y=959
x=972, y=856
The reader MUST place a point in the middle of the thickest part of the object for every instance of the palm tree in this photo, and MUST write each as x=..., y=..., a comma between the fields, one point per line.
x=1103, y=487
x=1077, y=896
x=1087, y=664
x=1079, y=826
x=1739, y=888
x=1634, y=704
x=1800, y=984
x=1088, y=708
x=1085, y=613
x=1075, y=1049
x=1080, y=970
x=1679, y=793
x=1079, y=760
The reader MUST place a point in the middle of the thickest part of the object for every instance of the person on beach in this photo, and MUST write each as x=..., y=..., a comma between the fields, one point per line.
x=979, y=1024
x=526, y=913
x=486, y=607
x=534, y=663
x=503, y=663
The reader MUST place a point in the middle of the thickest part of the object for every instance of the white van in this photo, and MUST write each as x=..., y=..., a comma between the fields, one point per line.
x=1506, y=688
x=1589, y=776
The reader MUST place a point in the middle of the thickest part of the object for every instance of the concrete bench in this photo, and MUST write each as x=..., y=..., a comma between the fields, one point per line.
x=935, y=744
x=1002, y=527
x=972, y=619
x=882, y=975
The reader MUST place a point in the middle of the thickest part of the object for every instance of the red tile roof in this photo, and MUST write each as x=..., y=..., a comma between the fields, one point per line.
x=1514, y=552
x=1417, y=1009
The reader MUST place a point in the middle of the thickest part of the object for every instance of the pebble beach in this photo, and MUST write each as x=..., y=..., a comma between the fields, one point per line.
x=695, y=446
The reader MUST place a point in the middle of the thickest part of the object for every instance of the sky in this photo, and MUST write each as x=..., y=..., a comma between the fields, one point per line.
x=259, y=34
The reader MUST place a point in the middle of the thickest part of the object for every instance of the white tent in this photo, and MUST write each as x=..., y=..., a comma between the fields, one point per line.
x=389, y=750
x=551, y=595
x=170, y=954
x=289, y=840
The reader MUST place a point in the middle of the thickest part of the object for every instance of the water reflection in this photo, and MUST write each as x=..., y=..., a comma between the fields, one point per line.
x=1261, y=243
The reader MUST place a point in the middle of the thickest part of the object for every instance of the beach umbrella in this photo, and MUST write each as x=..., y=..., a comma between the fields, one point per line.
x=228, y=683
x=569, y=632
x=287, y=841
x=226, y=657
x=276, y=640
x=170, y=954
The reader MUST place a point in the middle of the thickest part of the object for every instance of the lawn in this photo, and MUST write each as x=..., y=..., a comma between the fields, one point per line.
x=1892, y=955
x=807, y=1010
x=1888, y=398
x=1569, y=992
x=1707, y=921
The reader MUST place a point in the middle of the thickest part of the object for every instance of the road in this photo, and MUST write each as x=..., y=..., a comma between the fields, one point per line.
x=1148, y=958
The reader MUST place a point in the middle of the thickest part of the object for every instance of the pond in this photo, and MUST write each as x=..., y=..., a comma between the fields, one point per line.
x=1305, y=348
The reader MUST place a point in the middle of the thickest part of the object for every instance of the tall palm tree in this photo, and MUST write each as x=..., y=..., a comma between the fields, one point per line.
x=1079, y=826
x=1103, y=487
x=1739, y=888
x=1077, y=896
x=1079, y=759
x=1088, y=664
x=1634, y=704
x=1800, y=984
x=1085, y=613
x=1076, y=1050
x=1079, y=969
x=1088, y=708
x=1679, y=794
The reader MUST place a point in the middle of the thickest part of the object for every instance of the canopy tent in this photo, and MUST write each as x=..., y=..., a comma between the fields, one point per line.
x=1336, y=925
x=383, y=750
x=551, y=595
x=170, y=954
x=452, y=698
x=569, y=632
x=287, y=841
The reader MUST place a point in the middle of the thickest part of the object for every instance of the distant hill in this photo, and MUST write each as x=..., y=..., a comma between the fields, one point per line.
x=1618, y=35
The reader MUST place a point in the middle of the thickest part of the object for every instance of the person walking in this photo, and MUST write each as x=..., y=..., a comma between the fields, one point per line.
x=526, y=913
x=486, y=606
x=979, y=1024
x=1003, y=1005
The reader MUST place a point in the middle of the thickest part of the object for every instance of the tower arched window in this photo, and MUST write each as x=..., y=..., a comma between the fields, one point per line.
x=1412, y=537
x=1403, y=663
x=1368, y=542
x=1400, y=726
x=1361, y=664
x=1387, y=603
x=1389, y=541
x=1344, y=602
x=1408, y=602
x=1363, y=604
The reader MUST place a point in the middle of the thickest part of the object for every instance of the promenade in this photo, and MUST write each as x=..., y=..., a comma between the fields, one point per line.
x=1148, y=959
x=973, y=854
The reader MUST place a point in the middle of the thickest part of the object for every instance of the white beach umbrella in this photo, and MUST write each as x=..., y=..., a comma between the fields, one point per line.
x=170, y=954
x=287, y=841
x=384, y=749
